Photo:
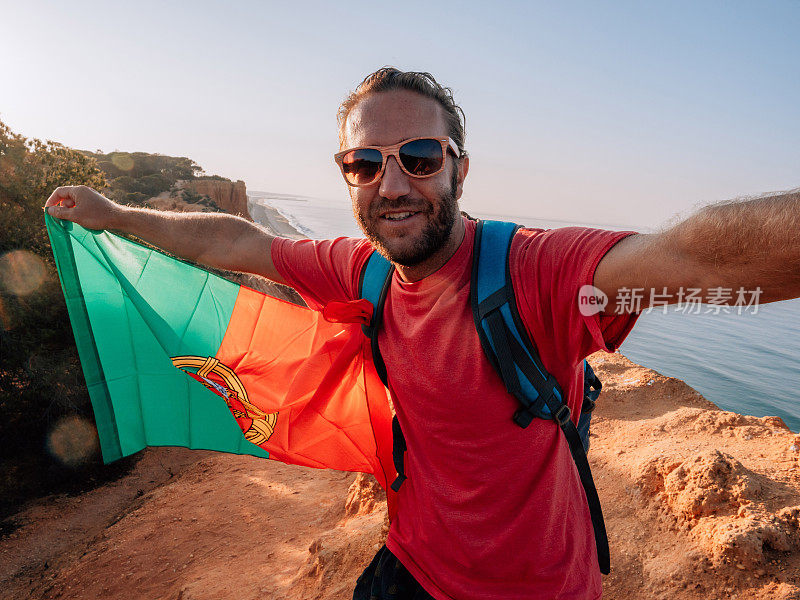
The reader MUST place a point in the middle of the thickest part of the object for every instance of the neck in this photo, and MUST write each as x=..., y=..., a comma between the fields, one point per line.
x=435, y=262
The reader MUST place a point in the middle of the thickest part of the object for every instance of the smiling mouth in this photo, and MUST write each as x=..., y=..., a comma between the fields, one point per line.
x=399, y=216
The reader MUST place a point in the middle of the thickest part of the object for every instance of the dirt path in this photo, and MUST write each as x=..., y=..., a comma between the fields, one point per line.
x=54, y=531
x=225, y=527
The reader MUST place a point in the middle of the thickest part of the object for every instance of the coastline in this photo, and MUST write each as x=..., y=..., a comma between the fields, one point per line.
x=700, y=504
x=273, y=220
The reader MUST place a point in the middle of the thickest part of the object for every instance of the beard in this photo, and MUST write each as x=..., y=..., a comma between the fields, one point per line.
x=433, y=237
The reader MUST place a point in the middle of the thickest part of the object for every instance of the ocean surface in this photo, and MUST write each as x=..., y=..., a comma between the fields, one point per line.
x=747, y=363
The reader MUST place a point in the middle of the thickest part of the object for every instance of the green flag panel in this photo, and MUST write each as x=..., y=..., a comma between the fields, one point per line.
x=132, y=309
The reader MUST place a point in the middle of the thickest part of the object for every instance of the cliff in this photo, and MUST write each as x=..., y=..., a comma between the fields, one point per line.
x=230, y=196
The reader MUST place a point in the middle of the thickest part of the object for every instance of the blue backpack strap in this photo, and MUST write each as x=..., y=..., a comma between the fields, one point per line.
x=500, y=329
x=510, y=350
x=374, y=284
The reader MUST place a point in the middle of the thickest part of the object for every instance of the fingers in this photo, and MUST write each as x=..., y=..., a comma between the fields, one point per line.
x=62, y=200
x=62, y=193
x=59, y=212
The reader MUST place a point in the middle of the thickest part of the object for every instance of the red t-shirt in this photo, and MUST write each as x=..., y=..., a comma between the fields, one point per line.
x=489, y=510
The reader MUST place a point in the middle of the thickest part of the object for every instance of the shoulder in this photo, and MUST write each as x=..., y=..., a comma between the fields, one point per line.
x=549, y=266
x=341, y=249
x=330, y=266
x=562, y=250
x=563, y=238
x=549, y=270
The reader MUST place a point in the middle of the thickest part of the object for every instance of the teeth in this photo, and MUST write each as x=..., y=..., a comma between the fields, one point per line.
x=398, y=216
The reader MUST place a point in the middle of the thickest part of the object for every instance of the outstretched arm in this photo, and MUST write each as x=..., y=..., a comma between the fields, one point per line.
x=213, y=239
x=748, y=244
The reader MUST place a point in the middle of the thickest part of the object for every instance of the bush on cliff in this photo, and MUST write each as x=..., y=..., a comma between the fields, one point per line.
x=44, y=405
x=135, y=177
x=41, y=382
x=141, y=164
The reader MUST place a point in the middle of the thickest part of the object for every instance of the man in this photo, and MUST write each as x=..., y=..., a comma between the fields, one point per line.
x=489, y=510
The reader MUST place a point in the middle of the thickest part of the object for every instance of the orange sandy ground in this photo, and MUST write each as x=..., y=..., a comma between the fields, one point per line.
x=700, y=504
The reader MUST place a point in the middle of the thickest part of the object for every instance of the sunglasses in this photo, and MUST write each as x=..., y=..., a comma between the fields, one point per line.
x=418, y=157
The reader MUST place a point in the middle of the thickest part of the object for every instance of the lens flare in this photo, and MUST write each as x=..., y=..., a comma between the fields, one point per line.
x=73, y=441
x=21, y=272
x=123, y=162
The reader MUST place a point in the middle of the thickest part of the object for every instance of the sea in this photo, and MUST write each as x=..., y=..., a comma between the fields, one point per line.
x=746, y=361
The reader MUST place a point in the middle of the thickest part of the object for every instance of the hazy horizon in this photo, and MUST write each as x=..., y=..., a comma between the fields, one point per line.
x=623, y=114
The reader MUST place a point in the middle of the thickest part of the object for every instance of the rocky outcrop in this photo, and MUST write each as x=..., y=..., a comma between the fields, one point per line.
x=230, y=196
x=700, y=503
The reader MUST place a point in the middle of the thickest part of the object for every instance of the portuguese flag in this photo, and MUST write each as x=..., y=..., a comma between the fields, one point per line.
x=176, y=356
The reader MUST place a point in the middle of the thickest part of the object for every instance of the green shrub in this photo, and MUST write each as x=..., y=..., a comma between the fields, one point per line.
x=40, y=376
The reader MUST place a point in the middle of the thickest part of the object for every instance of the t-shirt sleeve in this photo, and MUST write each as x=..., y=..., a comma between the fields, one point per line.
x=321, y=270
x=550, y=268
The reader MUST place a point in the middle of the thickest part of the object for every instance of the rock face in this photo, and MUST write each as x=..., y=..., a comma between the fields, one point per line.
x=700, y=503
x=230, y=196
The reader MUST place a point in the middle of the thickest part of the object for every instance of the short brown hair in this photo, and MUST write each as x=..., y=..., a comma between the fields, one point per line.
x=387, y=79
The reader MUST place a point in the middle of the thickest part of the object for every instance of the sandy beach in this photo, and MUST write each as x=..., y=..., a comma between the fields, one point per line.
x=273, y=220
x=700, y=503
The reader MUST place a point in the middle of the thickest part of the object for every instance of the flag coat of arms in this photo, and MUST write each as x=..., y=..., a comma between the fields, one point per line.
x=174, y=355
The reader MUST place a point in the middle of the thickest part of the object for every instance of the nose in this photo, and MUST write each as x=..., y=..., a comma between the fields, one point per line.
x=394, y=183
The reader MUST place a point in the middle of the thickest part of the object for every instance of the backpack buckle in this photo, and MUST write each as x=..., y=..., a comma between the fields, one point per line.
x=523, y=417
x=398, y=482
x=562, y=415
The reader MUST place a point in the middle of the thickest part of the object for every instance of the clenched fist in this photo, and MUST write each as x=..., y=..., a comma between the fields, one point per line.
x=84, y=206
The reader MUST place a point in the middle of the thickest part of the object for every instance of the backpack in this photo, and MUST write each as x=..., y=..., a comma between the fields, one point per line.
x=510, y=350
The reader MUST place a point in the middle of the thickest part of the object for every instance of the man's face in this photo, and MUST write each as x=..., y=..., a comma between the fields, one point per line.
x=406, y=218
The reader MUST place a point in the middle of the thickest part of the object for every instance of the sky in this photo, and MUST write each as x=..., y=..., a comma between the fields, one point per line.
x=623, y=113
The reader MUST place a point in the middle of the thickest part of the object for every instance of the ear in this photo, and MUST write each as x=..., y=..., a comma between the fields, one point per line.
x=463, y=169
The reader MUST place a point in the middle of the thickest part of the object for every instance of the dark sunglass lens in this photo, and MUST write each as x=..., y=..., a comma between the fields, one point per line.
x=362, y=166
x=422, y=157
